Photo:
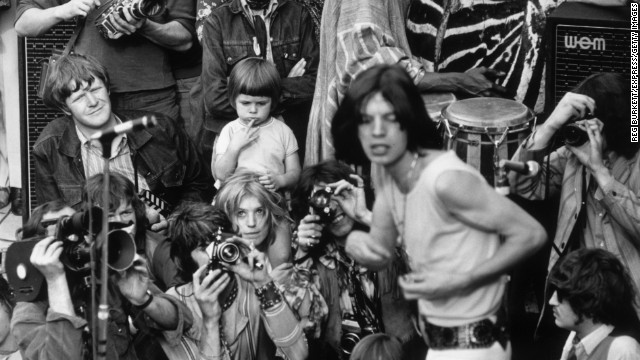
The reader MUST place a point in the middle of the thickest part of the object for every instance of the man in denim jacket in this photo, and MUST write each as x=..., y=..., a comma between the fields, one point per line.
x=280, y=31
x=161, y=159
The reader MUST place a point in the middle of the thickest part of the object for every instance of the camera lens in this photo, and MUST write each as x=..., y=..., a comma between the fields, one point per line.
x=348, y=342
x=228, y=253
x=320, y=199
x=573, y=135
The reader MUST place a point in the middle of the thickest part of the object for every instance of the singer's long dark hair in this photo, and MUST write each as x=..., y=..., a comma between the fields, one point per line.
x=398, y=89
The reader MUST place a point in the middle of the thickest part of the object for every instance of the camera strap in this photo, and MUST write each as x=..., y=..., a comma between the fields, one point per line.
x=367, y=311
x=55, y=55
x=76, y=32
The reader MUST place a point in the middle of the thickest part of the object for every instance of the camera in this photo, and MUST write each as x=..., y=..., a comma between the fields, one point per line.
x=320, y=201
x=352, y=333
x=137, y=9
x=573, y=135
x=27, y=281
x=221, y=251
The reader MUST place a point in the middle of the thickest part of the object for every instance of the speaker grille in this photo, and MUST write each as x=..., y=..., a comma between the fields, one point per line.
x=584, y=50
x=38, y=115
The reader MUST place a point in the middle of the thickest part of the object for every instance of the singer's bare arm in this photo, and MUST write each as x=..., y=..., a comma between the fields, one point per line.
x=36, y=21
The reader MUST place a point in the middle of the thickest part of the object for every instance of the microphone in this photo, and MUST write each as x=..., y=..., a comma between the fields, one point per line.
x=525, y=168
x=144, y=122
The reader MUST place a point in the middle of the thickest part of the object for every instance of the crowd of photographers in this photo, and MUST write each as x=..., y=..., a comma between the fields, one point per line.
x=223, y=247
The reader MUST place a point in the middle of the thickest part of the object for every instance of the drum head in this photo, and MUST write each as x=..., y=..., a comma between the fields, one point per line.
x=483, y=113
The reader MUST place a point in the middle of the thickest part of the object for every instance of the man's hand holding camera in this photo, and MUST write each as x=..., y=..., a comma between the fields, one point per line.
x=75, y=8
x=572, y=106
x=46, y=258
x=252, y=268
x=590, y=154
x=352, y=199
x=127, y=25
x=309, y=232
x=207, y=292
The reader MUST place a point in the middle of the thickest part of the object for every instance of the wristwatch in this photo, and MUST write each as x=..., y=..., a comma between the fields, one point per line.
x=146, y=303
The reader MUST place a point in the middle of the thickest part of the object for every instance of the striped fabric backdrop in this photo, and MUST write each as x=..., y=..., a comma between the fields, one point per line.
x=506, y=35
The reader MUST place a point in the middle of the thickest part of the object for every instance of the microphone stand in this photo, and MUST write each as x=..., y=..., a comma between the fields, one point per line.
x=502, y=181
x=101, y=244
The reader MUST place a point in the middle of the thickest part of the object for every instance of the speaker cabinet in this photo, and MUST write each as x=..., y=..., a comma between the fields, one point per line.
x=585, y=39
x=35, y=115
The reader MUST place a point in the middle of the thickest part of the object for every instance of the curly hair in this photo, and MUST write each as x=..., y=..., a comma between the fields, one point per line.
x=598, y=287
x=245, y=183
x=396, y=87
x=191, y=226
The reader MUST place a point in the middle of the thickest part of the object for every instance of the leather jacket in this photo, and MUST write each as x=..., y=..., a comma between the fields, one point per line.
x=164, y=155
x=228, y=37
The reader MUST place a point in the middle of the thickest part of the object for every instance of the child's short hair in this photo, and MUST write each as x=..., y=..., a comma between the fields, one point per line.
x=254, y=77
x=72, y=69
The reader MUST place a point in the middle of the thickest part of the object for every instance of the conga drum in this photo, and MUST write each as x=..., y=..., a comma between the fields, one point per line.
x=434, y=103
x=482, y=131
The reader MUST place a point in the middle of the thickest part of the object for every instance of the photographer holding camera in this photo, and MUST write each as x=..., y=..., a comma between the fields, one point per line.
x=599, y=180
x=241, y=310
x=58, y=327
x=138, y=63
x=330, y=202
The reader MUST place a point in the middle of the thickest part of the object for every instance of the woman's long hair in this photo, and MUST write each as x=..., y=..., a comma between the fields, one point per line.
x=245, y=183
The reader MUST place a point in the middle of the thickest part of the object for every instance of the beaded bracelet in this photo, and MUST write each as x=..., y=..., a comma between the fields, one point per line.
x=269, y=295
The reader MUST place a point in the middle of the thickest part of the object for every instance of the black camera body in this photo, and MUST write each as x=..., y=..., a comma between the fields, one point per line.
x=320, y=202
x=27, y=281
x=137, y=9
x=221, y=251
x=572, y=135
x=352, y=333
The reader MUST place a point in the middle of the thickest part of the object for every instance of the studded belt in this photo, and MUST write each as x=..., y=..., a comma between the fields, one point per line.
x=475, y=335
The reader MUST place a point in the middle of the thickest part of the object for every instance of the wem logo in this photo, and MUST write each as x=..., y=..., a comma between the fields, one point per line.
x=585, y=43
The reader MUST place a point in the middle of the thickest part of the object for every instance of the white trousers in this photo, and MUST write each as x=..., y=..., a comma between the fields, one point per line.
x=495, y=352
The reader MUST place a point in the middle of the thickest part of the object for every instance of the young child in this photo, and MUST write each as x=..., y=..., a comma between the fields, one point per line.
x=593, y=296
x=256, y=140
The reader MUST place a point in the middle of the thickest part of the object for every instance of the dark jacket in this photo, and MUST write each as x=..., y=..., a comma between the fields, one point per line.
x=164, y=155
x=228, y=38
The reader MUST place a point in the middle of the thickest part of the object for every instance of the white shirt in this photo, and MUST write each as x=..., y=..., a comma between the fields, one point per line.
x=622, y=347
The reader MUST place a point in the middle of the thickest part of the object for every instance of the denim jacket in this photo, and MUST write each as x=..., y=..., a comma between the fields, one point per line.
x=228, y=38
x=164, y=155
